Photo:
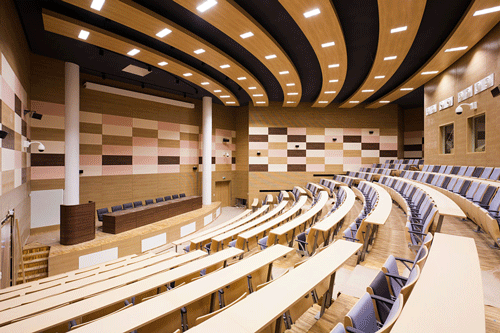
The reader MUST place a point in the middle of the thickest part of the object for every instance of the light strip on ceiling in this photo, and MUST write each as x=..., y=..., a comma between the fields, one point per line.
x=83, y=35
x=225, y=66
x=137, y=95
x=163, y=63
x=399, y=29
x=379, y=77
x=163, y=33
x=367, y=90
x=430, y=72
x=290, y=84
x=206, y=5
x=333, y=65
x=97, y=4
x=311, y=13
x=242, y=78
x=133, y=52
x=199, y=51
x=246, y=35
x=390, y=58
x=271, y=56
x=328, y=44
x=406, y=89
x=333, y=81
x=454, y=49
x=487, y=11
x=284, y=72
x=384, y=102
x=205, y=83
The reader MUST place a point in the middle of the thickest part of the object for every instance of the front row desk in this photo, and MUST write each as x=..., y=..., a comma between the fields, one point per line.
x=129, y=219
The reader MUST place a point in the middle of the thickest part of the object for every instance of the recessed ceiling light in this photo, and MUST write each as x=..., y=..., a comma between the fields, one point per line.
x=217, y=91
x=290, y=84
x=333, y=81
x=225, y=96
x=242, y=78
x=284, y=72
x=163, y=33
x=133, y=52
x=399, y=29
x=487, y=11
x=225, y=66
x=246, y=35
x=406, y=89
x=313, y=12
x=354, y=102
x=252, y=88
x=330, y=92
x=290, y=102
x=454, y=49
x=258, y=95
x=380, y=77
x=97, y=4
x=261, y=102
x=322, y=102
x=187, y=74
x=333, y=65
x=199, y=51
x=292, y=94
x=271, y=56
x=230, y=102
x=384, y=102
x=84, y=35
x=206, y=5
x=390, y=58
x=327, y=44
x=430, y=72
x=367, y=90
x=205, y=83
x=163, y=63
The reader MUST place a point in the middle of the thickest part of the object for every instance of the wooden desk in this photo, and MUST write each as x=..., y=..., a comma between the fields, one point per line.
x=200, y=241
x=259, y=309
x=260, y=231
x=115, y=294
x=321, y=231
x=188, y=238
x=164, y=304
x=448, y=296
x=445, y=206
x=279, y=235
x=81, y=282
x=95, y=288
x=219, y=241
x=129, y=219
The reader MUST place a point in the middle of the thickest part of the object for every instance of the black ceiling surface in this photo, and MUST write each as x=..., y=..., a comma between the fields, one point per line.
x=359, y=21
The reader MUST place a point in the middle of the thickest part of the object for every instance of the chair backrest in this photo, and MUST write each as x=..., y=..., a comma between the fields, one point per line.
x=454, y=170
x=495, y=174
x=201, y=319
x=101, y=212
x=442, y=168
x=137, y=203
x=477, y=172
x=380, y=287
x=175, y=196
x=168, y=197
x=128, y=205
x=448, y=169
x=149, y=202
x=396, y=309
x=465, y=187
x=410, y=283
x=445, y=182
x=480, y=192
x=362, y=315
x=182, y=195
x=486, y=173
x=116, y=208
x=451, y=184
x=470, y=171
x=462, y=171
x=421, y=256
x=495, y=202
x=488, y=194
x=428, y=240
x=339, y=328
x=472, y=190
x=436, y=168
x=458, y=185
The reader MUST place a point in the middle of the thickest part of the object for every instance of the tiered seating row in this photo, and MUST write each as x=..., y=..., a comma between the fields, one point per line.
x=363, y=175
x=466, y=171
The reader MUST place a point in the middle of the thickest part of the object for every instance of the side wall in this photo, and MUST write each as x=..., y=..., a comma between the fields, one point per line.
x=296, y=143
x=475, y=65
x=131, y=149
x=15, y=97
x=414, y=133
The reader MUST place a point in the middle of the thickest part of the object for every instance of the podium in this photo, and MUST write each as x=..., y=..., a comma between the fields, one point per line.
x=77, y=223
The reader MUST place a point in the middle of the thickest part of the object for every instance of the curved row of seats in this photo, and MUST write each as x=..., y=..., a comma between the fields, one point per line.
x=357, y=229
x=344, y=179
x=466, y=171
x=479, y=199
x=379, y=171
x=130, y=205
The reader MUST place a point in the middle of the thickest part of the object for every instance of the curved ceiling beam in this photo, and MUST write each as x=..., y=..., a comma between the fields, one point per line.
x=150, y=23
x=322, y=30
x=233, y=21
x=399, y=22
x=466, y=34
x=71, y=28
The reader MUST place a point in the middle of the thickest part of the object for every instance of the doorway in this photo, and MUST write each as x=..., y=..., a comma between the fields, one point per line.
x=222, y=193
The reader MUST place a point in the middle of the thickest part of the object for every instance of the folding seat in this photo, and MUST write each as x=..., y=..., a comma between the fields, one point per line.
x=471, y=190
x=452, y=184
x=470, y=171
x=436, y=168
x=416, y=232
x=441, y=169
x=478, y=172
x=182, y=195
x=487, y=196
x=494, y=174
x=448, y=169
x=462, y=171
x=486, y=173
x=458, y=185
x=445, y=182
x=465, y=187
x=480, y=192
x=454, y=170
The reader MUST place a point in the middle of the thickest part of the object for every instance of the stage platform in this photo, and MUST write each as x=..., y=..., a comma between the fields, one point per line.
x=105, y=247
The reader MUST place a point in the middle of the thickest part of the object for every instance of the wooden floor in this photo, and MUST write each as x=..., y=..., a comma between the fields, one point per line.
x=391, y=240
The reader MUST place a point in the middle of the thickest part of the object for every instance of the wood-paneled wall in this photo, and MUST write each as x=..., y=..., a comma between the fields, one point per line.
x=476, y=64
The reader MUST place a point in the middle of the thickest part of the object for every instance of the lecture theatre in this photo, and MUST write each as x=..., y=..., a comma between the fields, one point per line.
x=244, y=166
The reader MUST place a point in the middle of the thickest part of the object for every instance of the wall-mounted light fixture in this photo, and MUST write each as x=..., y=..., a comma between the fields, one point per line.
x=3, y=134
x=41, y=147
x=460, y=109
x=33, y=114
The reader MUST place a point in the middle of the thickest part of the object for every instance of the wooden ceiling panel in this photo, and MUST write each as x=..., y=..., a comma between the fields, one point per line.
x=71, y=28
x=392, y=14
x=233, y=21
x=150, y=23
x=321, y=29
x=468, y=32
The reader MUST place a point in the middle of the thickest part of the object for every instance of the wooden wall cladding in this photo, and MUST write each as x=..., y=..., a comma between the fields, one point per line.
x=475, y=65
x=77, y=223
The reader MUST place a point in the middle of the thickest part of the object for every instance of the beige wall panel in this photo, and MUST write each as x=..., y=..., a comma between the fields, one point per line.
x=47, y=184
x=47, y=79
x=50, y=134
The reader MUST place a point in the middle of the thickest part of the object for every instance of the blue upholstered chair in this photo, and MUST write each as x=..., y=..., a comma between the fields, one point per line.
x=159, y=200
x=101, y=212
x=128, y=206
x=116, y=208
x=149, y=202
x=137, y=203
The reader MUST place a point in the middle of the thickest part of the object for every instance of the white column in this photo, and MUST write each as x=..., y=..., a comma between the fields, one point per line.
x=72, y=134
x=207, y=151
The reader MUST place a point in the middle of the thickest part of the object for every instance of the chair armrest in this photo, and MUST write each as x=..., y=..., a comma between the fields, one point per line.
x=382, y=299
x=351, y=238
x=397, y=277
x=417, y=233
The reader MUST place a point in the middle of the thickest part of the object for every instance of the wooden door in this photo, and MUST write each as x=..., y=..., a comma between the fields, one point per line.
x=222, y=193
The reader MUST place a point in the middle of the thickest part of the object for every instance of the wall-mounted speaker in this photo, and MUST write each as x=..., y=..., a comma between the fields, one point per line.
x=495, y=92
x=225, y=140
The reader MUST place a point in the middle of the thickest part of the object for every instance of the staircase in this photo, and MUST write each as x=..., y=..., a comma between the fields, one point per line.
x=36, y=262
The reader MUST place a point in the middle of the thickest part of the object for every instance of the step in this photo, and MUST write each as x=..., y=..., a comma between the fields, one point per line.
x=33, y=270
x=32, y=278
x=35, y=260
x=36, y=249
x=37, y=255
x=39, y=263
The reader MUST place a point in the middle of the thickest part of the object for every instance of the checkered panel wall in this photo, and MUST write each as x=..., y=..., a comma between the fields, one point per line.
x=13, y=101
x=315, y=149
x=414, y=144
x=115, y=145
